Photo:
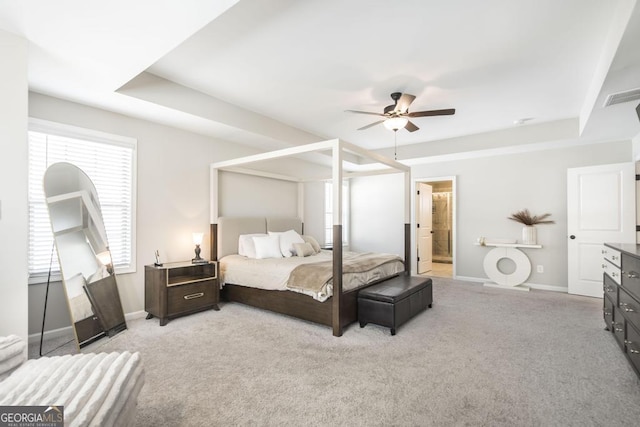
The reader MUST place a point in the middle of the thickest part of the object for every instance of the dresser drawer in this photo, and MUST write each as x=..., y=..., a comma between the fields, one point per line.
x=618, y=327
x=612, y=271
x=629, y=308
x=612, y=255
x=632, y=346
x=607, y=312
x=189, y=297
x=610, y=288
x=631, y=275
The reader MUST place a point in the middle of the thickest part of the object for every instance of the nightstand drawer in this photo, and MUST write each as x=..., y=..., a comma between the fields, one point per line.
x=194, y=296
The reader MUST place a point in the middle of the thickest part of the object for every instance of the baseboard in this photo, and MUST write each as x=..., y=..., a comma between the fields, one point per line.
x=135, y=315
x=51, y=334
x=553, y=288
x=470, y=279
x=541, y=287
x=55, y=333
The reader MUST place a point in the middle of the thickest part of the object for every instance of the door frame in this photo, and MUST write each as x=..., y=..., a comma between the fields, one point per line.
x=454, y=226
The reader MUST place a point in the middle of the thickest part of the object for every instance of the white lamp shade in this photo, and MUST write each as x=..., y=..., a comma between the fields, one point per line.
x=395, y=123
x=197, y=238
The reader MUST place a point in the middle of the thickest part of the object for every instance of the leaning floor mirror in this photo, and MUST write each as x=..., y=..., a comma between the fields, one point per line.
x=83, y=252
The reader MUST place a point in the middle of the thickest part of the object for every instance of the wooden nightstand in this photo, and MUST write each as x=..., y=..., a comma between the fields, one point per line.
x=178, y=288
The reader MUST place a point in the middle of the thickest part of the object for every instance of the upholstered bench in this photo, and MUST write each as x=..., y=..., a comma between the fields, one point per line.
x=393, y=302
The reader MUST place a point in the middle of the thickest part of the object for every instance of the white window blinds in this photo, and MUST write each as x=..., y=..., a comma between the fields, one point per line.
x=109, y=161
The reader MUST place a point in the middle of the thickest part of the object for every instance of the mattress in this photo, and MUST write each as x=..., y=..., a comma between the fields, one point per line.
x=273, y=273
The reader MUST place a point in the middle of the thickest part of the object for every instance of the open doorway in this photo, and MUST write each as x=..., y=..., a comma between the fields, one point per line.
x=440, y=200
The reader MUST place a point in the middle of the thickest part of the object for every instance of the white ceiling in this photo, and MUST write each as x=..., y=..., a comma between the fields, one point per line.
x=274, y=73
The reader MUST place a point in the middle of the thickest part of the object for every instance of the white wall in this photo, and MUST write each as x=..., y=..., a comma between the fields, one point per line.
x=246, y=195
x=377, y=214
x=488, y=191
x=13, y=186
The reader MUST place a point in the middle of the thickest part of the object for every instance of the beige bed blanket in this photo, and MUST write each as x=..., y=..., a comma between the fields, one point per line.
x=314, y=277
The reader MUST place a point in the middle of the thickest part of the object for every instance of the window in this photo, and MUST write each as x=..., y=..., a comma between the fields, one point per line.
x=109, y=160
x=328, y=213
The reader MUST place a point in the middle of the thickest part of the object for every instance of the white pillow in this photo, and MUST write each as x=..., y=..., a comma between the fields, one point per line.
x=313, y=242
x=303, y=249
x=246, y=247
x=287, y=239
x=267, y=247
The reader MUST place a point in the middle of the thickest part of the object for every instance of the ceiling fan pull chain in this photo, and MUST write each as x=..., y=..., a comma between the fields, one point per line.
x=395, y=144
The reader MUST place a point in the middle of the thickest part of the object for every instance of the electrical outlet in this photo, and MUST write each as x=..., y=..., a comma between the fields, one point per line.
x=540, y=269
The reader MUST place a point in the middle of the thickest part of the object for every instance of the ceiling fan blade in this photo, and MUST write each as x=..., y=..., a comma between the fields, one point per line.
x=371, y=125
x=411, y=127
x=446, y=112
x=364, y=112
x=403, y=103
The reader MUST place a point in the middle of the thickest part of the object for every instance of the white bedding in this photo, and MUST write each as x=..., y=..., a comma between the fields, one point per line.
x=273, y=273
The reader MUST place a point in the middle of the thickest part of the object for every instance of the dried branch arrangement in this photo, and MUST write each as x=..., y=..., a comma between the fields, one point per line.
x=525, y=217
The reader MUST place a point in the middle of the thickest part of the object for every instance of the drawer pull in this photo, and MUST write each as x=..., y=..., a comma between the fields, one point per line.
x=614, y=274
x=614, y=257
x=604, y=266
x=194, y=296
x=633, y=351
x=608, y=289
x=619, y=329
x=632, y=275
x=607, y=313
x=626, y=307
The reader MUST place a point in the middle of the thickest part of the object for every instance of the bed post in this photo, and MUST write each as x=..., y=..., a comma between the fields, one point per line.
x=336, y=309
x=213, y=250
x=336, y=319
x=213, y=213
x=407, y=222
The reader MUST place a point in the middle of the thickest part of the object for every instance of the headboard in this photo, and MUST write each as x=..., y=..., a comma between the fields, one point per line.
x=230, y=229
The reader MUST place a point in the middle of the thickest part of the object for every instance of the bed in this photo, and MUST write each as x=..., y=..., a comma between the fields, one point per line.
x=340, y=309
x=278, y=284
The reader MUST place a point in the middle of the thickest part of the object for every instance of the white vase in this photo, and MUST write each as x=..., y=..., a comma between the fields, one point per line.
x=529, y=235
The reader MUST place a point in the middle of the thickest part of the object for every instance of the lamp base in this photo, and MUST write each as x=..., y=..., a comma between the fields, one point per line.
x=199, y=261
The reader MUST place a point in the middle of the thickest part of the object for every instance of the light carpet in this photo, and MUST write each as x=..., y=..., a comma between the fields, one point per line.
x=479, y=357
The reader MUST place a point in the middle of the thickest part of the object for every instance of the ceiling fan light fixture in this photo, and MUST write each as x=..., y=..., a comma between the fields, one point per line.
x=396, y=123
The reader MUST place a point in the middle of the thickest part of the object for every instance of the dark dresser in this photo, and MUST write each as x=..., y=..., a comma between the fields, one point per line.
x=621, y=308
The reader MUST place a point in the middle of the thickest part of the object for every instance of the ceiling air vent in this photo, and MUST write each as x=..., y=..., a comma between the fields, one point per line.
x=627, y=95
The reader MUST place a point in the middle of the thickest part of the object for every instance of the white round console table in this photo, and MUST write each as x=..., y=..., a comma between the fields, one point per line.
x=510, y=251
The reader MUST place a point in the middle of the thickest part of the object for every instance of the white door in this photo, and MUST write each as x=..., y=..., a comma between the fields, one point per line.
x=600, y=208
x=425, y=228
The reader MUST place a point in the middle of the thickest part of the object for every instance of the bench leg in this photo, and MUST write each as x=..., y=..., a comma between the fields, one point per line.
x=393, y=331
x=363, y=324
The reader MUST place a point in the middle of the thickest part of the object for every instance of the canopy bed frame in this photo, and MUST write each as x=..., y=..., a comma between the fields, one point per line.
x=341, y=310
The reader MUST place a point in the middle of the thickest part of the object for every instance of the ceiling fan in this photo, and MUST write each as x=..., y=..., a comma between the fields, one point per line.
x=396, y=116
